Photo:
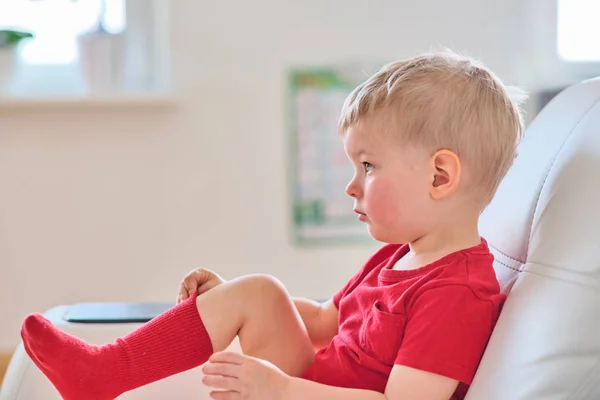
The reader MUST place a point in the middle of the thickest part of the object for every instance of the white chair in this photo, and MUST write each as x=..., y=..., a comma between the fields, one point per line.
x=544, y=229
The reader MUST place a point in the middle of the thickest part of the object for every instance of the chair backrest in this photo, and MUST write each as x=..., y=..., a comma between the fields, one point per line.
x=544, y=230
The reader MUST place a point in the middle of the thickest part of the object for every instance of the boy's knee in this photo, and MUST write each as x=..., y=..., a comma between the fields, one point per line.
x=265, y=286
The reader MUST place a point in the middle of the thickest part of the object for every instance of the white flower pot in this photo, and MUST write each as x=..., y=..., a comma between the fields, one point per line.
x=101, y=61
x=8, y=66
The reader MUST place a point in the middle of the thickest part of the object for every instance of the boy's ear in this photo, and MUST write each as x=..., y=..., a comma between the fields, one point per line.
x=446, y=169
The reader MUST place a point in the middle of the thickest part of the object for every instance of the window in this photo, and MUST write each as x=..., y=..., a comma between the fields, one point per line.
x=578, y=30
x=57, y=25
x=87, y=48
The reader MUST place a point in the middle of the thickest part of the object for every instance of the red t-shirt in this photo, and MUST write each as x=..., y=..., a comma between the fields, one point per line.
x=437, y=318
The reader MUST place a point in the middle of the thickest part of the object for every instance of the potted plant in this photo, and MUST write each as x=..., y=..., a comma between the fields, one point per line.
x=9, y=41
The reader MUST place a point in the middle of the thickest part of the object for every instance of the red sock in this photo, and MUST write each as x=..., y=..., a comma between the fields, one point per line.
x=171, y=343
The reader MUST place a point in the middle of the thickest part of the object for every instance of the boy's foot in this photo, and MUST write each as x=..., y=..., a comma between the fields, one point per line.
x=173, y=342
x=78, y=370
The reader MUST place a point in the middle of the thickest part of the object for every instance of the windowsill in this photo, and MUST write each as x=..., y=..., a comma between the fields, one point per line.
x=77, y=101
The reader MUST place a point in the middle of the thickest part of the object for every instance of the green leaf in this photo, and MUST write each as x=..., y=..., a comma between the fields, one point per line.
x=10, y=37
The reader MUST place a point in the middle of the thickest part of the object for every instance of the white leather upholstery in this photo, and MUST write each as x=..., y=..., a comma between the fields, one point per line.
x=544, y=229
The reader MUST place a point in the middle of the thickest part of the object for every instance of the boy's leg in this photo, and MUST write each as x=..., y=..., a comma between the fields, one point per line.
x=256, y=308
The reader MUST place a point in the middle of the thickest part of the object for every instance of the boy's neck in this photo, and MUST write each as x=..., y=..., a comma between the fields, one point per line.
x=446, y=239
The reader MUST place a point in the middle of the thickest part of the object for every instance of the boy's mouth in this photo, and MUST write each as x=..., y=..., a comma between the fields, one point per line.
x=361, y=215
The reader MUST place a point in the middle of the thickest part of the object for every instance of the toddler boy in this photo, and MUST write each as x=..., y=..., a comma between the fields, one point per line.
x=430, y=138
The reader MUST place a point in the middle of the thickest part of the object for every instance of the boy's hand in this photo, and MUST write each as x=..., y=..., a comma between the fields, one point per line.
x=199, y=280
x=238, y=377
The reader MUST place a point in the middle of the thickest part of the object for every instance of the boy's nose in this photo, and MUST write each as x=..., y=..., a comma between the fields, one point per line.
x=353, y=190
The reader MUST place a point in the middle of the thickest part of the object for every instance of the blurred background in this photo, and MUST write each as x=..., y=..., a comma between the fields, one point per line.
x=141, y=139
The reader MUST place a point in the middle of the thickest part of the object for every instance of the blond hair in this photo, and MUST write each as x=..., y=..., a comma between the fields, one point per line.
x=446, y=101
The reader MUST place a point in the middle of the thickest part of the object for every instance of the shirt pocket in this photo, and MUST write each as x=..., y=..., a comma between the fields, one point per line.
x=381, y=334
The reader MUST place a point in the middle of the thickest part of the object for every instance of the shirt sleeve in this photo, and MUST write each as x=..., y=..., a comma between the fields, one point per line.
x=446, y=332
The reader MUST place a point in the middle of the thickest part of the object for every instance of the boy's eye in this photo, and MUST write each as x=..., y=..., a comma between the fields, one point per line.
x=368, y=166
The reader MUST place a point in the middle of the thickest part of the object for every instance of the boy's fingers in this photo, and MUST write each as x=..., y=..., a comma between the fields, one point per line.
x=203, y=289
x=189, y=282
x=228, y=357
x=201, y=276
x=183, y=293
x=198, y=281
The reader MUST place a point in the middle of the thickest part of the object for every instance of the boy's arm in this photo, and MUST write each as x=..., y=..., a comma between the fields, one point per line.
x=320, y=319
x=241, y=376
x=405, y=383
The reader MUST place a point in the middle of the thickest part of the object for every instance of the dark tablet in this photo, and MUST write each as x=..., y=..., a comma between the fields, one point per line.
x=107, y=313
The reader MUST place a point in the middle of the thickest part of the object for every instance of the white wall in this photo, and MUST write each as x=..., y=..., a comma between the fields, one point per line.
x=118, y=205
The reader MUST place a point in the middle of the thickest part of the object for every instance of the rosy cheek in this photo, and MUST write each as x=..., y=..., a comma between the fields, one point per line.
x=380, y=198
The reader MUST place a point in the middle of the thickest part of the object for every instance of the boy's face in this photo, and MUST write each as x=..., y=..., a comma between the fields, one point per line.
x=391, y=184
